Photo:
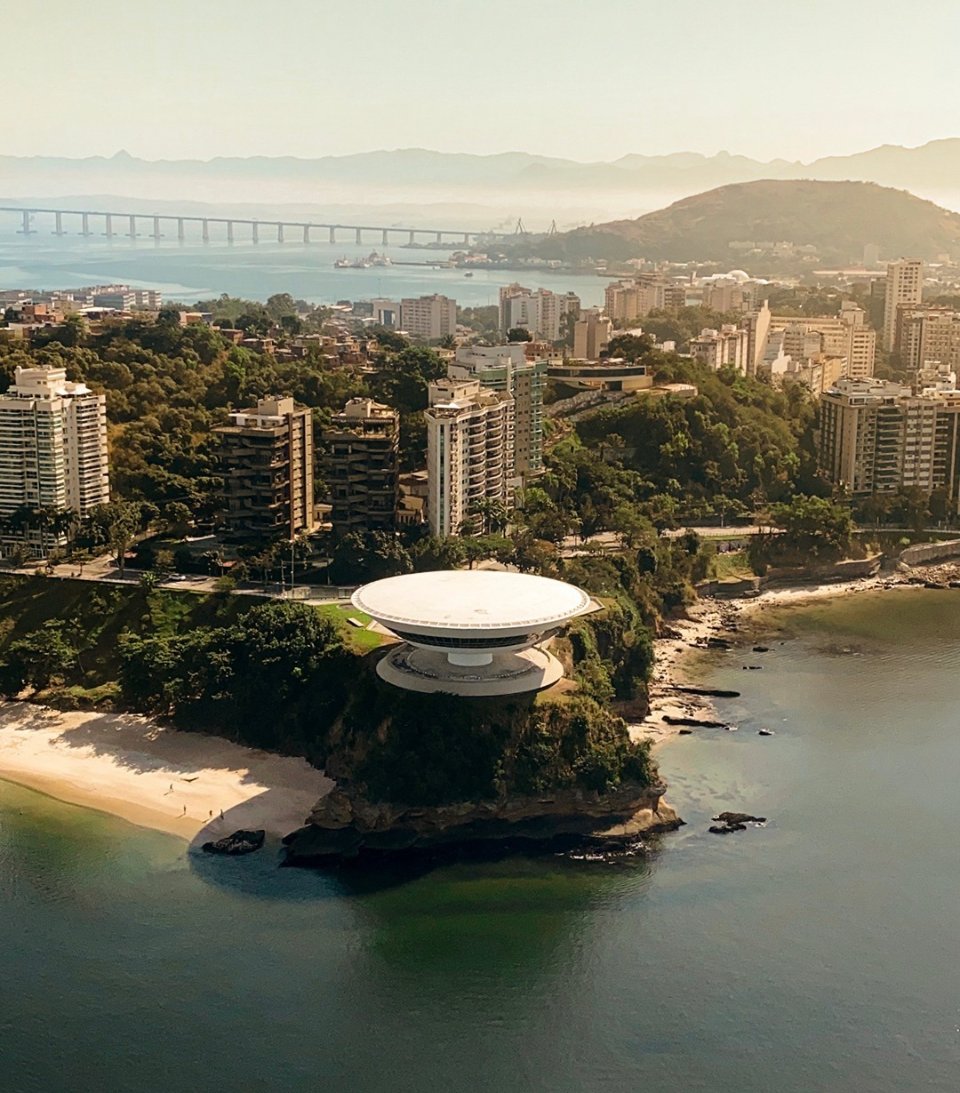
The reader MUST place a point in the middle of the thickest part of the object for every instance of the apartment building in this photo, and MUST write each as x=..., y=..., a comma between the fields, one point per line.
x=469, y=451
x=877, y=436
x=53, y=453
x=716, y=349
x=506, y=368
x=904, y=285
x=362, y=464
x=542, y=313
x=268, y=465
x=429, y=318
x=929, y=334
x=591, y=334
x=844, y=335
x=630, y=300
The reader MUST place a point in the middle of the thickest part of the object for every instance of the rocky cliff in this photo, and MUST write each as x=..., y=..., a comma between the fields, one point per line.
x=345, y=825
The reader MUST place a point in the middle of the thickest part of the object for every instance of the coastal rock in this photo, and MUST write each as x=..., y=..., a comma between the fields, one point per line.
x=344, y=825
x=693, y=722
x=726, y=829
x=739, y=818
x=240, y=842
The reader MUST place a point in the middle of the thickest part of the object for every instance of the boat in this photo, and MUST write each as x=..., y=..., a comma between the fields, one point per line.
x=468, y=274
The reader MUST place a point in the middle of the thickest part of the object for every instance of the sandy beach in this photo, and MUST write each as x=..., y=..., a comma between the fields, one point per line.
x=132, y=767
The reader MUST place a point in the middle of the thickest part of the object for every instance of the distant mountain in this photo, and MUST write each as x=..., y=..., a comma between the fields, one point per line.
x=837, y=218
x=395, y=175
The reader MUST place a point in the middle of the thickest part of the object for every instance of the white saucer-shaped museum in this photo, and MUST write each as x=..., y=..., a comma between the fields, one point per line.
x=471, y=632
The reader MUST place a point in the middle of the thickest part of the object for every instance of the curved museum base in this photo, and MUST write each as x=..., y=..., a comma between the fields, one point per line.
x=429, y=671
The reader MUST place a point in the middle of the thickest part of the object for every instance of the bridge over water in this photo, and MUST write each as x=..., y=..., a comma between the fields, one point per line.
x=113, y=223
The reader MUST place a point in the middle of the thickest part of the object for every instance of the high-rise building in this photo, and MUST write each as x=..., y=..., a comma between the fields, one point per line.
x=506, y=368
x=904, y=285
x=878, y=437
x=429, y=317
x=53, y=454
x=362, y=466
x=469, y=452
x=543, y=314
x=929, y=334
x=267, y=460
x=591, y=334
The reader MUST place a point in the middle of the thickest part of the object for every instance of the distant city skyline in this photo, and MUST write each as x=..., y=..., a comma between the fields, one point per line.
x=311, y=78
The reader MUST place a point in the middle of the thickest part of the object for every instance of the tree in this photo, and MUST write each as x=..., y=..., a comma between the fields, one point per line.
x=40, y=656
x=116, y=525
x=813, y=526
x=519, y=334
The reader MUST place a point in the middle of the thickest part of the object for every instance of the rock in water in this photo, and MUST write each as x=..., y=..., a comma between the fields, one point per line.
x=739, y=818
x=240, y=842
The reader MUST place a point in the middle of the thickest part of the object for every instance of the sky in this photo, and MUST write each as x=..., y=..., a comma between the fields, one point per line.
x=582, y=80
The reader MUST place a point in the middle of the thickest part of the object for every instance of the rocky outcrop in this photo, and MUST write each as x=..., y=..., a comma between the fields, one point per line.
x=240, y=842
x=345, y=825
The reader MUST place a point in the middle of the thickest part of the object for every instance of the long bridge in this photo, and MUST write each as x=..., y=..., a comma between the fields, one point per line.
x=114, y=223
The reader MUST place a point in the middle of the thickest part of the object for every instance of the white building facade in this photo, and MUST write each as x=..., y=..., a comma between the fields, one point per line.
x=53, y=454
x=470, y=446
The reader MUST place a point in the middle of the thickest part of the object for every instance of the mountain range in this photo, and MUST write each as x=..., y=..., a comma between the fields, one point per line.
x=511, y=181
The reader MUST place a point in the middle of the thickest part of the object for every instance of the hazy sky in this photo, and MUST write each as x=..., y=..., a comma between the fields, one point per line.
x=585, y=80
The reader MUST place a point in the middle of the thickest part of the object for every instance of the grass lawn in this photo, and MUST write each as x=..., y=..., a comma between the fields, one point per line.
x=732, y=566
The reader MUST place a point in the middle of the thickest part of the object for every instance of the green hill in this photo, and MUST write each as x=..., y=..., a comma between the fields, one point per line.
x=836, y=218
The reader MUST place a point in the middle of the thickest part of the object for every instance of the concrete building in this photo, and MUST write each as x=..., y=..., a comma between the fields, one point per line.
x=542, y=313
x=429, y=317
x=475, y=633
x=844, y=335
x=385, y=312
x=904, y=285
x=757, y=326
x=362, y=463
x=610, y=374
x=591, y=334
x=268, y=465
x=53, y=453
x=721, y=348
x=929, y=334
x=506, y=368
x=470, y=450
x=630, y=300
x=878, y=437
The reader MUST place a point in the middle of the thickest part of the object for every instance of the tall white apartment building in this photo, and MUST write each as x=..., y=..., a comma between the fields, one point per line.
x=429, y=317
x=53, y=453
x=543, y=313
x=506, y=368
x=469, y=451
x=904, y=286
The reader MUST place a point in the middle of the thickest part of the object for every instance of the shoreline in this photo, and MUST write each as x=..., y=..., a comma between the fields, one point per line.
x=710, y=617
x=133, y=768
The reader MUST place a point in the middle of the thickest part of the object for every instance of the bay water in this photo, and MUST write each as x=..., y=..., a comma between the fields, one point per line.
x=818, y=952
x=194, y=270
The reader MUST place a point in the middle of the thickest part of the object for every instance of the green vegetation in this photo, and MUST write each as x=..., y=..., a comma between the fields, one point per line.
x=281, y=676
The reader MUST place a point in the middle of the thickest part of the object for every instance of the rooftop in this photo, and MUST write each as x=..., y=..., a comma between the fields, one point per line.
x=482, y=600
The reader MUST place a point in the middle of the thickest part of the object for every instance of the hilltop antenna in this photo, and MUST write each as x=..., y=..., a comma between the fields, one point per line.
x=553, y=228
x=519, y=229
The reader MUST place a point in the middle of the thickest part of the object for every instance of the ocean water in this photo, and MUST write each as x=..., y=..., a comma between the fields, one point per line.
x=815, y=953
x=195, y=271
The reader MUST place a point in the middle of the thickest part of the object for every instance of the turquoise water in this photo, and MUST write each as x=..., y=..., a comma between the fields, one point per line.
x=816, y=953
